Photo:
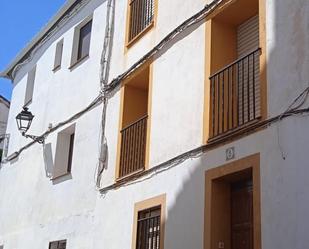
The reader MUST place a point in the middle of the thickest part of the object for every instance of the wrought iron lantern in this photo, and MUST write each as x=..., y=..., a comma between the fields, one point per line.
x=24, y=120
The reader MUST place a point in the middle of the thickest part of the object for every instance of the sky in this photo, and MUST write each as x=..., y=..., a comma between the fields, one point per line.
x=20, y=21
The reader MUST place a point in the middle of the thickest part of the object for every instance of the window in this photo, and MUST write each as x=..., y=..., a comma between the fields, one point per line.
x=58, y=55
x=232, y=200
x=64, y=152
x=61, y=244
x=141, y=13
x=148, y=227
x=81, y=42
x=4, y=146
x=70, y=152
x=134, y=124
x=30, y=86
x=84, y=41
x=235, y=66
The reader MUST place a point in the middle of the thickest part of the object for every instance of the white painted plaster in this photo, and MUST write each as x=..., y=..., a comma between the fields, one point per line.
x=35, y=210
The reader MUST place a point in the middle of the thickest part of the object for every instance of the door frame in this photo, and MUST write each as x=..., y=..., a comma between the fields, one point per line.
x=251, y=163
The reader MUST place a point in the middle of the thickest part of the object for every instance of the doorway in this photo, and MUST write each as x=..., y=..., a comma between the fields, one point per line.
x=232, y=205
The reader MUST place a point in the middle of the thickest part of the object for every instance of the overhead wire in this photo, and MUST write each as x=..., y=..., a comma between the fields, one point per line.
x=109, y=89
x=201, y=150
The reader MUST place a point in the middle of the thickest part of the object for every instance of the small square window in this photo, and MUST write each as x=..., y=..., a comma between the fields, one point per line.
x=61, y=244
x=30, y=86
x=64, y=152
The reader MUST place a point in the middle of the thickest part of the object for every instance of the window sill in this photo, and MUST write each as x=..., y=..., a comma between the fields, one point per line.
x=57, y=68
x=62, y=178
x=239, y=131
x=79, y=62
x=140, y=35
x=28, y=103
x=124, y=178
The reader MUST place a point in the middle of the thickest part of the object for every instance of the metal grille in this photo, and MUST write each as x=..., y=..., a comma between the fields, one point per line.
x=133, y=146
x=235, y=95
x=61, y=244
x=141, y=16
x=148, y=229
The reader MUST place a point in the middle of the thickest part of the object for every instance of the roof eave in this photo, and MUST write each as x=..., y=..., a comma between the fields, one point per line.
x=6, y=73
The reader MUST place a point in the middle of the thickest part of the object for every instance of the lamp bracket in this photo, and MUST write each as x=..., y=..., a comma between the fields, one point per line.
x=38, y=139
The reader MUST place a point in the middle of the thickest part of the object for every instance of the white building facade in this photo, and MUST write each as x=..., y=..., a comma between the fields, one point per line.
x=202, y=143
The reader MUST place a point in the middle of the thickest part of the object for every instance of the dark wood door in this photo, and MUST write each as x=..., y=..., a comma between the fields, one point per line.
x=242, y=215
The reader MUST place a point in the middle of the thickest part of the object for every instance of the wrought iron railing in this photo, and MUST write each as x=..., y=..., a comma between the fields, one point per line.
x=141, y=16
x=133, y=146
x=235, y=95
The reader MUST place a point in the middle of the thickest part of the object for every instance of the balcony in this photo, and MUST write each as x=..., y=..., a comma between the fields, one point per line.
x=133, y=147
x=235, y=95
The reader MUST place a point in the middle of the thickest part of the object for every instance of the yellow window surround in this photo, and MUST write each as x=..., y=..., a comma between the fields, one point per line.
x=228, y=107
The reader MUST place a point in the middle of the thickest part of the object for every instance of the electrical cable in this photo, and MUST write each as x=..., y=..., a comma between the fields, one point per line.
x=110, y=88
x=197, y=152
x=76, y=8
x=104, y=75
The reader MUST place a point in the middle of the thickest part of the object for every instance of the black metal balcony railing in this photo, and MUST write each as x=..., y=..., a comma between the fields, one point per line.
x=141, y=16
x=235, y=95
x=133, y=147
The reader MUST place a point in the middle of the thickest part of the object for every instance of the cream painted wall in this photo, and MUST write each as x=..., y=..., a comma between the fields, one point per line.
x=35, y=210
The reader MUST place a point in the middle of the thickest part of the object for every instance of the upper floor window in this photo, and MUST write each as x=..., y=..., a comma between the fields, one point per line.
x=30, y=86
x=81, y=42
x=134, y=124
x=58, y=55
x=234, y=67
x=64, y=152
x=61, y=244
x=141, y=16
x=84, y=40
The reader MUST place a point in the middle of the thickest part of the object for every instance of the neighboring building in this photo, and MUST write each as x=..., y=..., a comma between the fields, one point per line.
x=4, y=114
x=204, y=146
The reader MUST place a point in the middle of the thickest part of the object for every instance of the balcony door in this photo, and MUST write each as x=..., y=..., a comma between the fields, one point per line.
x=134, y=124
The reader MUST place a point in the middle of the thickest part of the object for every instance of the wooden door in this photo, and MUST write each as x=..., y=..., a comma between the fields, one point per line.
x=242, y=215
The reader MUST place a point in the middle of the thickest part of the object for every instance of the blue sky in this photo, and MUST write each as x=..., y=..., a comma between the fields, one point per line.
x=20, y=21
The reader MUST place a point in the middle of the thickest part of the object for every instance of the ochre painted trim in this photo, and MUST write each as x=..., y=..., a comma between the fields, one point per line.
x=251, y=162
x=223, y=5
x=147, y=155
x=208, y=56
x=119, y=134
x=146, y=204
x=206, y=117
x=263, y=59
x=152, y=25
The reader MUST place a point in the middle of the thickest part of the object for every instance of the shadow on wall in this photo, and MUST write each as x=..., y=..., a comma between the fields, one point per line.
x=287, y=75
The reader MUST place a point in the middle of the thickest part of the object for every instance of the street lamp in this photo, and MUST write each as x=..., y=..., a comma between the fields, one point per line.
x=24, y=120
